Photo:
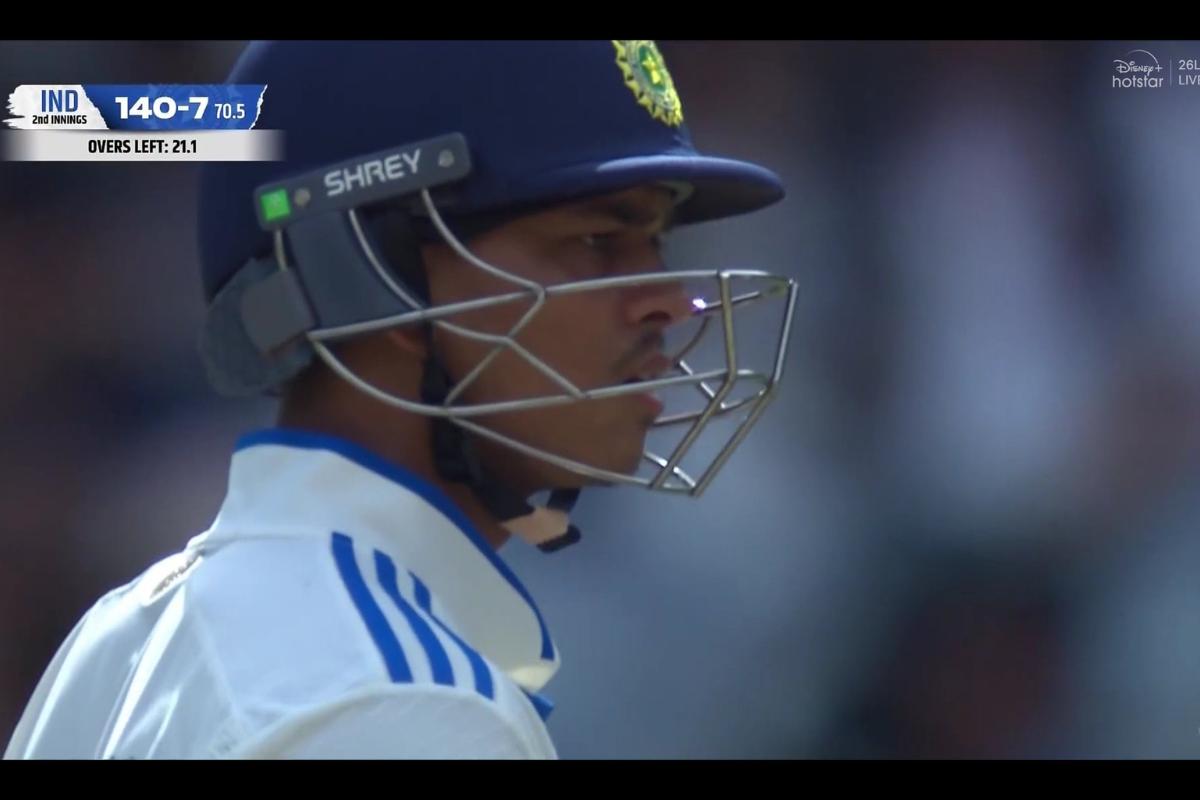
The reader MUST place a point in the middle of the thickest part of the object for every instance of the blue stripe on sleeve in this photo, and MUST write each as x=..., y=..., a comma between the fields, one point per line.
x=439, y=662
x=371, y=613
x=290, y=437
x=483, y=675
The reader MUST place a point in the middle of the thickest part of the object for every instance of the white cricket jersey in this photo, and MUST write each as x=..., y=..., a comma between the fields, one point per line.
x=339, y=606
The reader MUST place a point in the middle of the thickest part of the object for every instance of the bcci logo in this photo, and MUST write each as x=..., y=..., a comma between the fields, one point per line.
x=647, y=77
x=1138, y=70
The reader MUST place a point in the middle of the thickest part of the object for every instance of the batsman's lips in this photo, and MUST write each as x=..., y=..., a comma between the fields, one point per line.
x=650, y=369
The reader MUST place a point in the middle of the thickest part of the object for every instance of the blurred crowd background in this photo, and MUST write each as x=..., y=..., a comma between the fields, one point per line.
x=969, y=525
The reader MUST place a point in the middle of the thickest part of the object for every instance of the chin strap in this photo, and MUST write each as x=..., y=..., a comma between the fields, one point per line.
x=549, y=527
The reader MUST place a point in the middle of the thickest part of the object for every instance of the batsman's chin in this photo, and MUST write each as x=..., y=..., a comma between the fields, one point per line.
x=632, y=458
x=620, y=457
x=620, y=451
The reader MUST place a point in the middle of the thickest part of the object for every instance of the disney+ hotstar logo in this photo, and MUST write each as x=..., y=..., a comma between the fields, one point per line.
x=1138, y=70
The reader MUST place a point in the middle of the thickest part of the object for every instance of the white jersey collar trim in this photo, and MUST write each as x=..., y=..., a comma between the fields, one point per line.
x=285, y=482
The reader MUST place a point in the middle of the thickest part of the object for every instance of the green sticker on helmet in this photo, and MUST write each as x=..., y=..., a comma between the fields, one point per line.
x=275, y=205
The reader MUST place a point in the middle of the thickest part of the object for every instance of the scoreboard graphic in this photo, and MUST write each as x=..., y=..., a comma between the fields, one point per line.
x=132, y=122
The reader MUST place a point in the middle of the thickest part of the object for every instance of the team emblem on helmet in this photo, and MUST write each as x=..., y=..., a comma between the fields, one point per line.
x=647, y=76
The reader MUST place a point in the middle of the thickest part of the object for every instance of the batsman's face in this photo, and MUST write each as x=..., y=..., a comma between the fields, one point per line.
x=593, y=338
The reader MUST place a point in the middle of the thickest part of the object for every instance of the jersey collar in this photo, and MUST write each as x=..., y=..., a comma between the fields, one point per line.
x=292, y=482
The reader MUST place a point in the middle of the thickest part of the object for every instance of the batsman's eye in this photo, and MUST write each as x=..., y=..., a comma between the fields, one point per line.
x=612, y=251
x=604, y=243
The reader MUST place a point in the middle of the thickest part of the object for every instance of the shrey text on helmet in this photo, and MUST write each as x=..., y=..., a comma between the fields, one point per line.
x=368, y=173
